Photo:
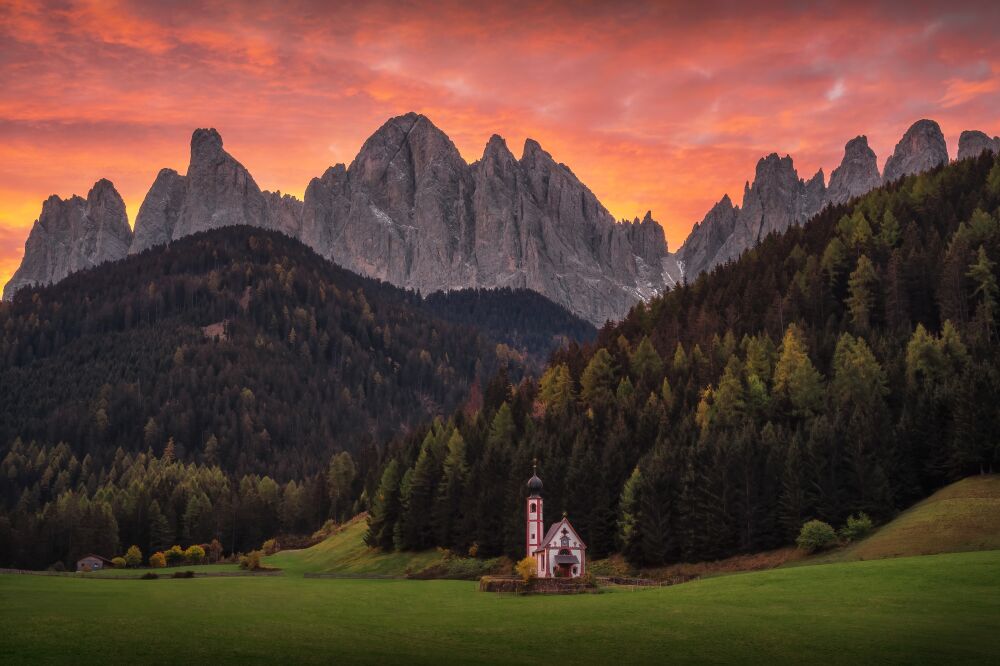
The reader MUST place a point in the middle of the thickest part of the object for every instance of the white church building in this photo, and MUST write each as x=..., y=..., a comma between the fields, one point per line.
x=559, y=552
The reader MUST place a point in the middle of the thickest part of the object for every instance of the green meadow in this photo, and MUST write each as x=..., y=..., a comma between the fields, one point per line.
x=931, y=609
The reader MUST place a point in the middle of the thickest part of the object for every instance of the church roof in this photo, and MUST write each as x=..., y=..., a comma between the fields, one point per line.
x=554, y=529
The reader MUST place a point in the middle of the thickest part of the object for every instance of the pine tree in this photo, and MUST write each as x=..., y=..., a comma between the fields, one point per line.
x=982, y=273
x=385, y=508
x=448, y=516
x=645, y=363
x=629, y=536
x=862, y=289
x=340, y=477
x=598, y=380
x=795, y=377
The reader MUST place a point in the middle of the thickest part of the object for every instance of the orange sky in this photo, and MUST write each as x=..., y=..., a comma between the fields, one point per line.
x=655, y=106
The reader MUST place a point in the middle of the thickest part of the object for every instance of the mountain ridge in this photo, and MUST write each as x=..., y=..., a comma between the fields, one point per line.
x=410, y=210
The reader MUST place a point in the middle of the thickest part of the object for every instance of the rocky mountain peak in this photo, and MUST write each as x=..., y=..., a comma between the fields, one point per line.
x=497, y=151
x=73, y=234
x=857, y=173
x=922, y=147
x=973, y=143
x=206, y=144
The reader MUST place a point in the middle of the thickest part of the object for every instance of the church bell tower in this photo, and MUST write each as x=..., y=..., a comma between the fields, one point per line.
x=534, y=523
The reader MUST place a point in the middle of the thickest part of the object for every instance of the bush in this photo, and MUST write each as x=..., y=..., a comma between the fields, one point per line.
x=157, y=560
x=118, y=562
x=815, y=536
x=214, y=550
x=133, y=557
x=857, y=527
x=182, y=574
x=194, y=554
x=149, y=575
x=250, y=561
x=58, y=566
x=527, y=569
x=174, y=556
x=270, y=547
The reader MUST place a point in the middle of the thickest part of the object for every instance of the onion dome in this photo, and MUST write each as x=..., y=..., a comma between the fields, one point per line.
x=534, y=485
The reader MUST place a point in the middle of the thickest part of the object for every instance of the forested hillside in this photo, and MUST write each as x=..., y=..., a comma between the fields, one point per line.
x=199, y=390
x=847, y=365
x=519, y=318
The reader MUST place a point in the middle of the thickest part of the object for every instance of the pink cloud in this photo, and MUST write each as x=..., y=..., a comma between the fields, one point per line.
x=654, y=105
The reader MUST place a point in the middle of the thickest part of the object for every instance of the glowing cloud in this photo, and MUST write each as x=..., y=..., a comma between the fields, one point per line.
x=654, y=105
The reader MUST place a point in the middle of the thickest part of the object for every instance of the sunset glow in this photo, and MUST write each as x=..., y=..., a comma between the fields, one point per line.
x=654, y=106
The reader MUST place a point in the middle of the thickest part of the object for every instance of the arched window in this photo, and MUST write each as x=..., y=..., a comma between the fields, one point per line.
x=531, y=507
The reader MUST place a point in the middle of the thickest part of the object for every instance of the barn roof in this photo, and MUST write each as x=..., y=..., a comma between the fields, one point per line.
x=96, y=557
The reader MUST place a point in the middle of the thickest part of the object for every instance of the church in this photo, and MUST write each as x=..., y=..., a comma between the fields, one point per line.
x=560, y=553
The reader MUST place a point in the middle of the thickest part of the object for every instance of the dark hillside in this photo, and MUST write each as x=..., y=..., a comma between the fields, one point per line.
x=240, y=334
x=520, y=318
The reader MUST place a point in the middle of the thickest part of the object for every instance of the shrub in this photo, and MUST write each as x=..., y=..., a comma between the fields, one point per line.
x=157, y=560
x=194, y=554
x=133, y=557
x=118, y=562
x=815, y=536
x=474, y=549
x=857, y=527
x=214, y=550
x=183, y=574
x=527, y=569
x=174, y=556
x=270, y=547
x=58, y=566
x=149, y=575
x=250, y=561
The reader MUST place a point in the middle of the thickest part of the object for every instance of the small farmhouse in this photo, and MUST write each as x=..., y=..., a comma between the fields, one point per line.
x=558, y=552
x=92, y=563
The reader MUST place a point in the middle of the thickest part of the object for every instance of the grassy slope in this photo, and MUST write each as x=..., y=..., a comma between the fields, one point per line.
x=346, y=553
x=962, y=517
x=941, y=609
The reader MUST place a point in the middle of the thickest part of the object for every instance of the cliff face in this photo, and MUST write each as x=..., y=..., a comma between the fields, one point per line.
x=777, y=198
x=857, y=173
x=921, y=148
x=411, y=211
x=973, y=143
x=71, y=235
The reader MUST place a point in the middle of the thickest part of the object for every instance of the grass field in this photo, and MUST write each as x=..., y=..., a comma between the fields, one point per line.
x=936, y=609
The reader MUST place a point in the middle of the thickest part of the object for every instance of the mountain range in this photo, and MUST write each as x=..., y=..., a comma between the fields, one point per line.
x=410, y=210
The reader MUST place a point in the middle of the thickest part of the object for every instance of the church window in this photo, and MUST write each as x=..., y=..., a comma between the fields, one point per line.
x=532, y=507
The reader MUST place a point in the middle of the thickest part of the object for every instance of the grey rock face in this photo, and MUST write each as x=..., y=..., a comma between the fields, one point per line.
x=776, y=200
x=220, y=191
x=217, y=191
x=411, y=211
x=707, y=237
x=921, y=148
x=71, y=235
x=158, y=214
x=973, y=143
x=857, y=173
